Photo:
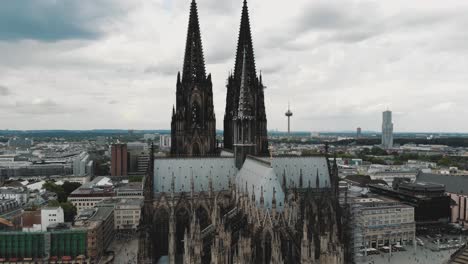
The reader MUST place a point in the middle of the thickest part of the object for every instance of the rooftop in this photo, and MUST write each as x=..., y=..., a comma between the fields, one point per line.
x=420, y=184
x=120, y=202
x=106, y=186
x=92, y=217
x=373, y=201
x=453, y=183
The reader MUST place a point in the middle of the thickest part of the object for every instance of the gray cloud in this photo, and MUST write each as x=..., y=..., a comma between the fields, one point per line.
x=339, y=63
x=352, y=22
x=41, y=106
x=327, y=15
x=219, y=55
x=163, y=68
x=53, y=20
x=4, y=90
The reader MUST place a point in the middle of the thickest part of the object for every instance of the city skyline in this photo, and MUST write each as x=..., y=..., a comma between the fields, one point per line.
x=110, y=64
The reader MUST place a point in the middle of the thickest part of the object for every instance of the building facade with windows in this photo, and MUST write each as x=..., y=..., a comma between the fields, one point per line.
x=127, y=212
x=119, y=160
x=51, y=215
x=380, y=222
x=99, y=224
x=19, y=194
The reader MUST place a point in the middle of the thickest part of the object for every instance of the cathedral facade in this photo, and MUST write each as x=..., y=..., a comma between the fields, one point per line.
x=245, y=75
x=235, y=205
x=193, y=126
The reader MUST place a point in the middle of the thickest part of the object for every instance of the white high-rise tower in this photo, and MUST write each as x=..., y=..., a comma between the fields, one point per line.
x=387, y=130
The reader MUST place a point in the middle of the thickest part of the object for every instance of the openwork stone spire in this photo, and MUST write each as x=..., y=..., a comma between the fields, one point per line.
x=245, y=76
x=245, y=104
x=245, y=43
x=194, y=62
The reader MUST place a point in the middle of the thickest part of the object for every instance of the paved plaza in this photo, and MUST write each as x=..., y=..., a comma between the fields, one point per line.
x=421, y=255
x=125, y=250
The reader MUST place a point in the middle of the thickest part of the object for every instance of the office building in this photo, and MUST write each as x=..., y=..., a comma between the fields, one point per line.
x=138, y=159
x=387, y=130
x=119, y=160
x=27, y=169
x=129, y=190
x=431, y=204
x=80, y=163
x=99, y=224
x=101, y=188
x=126, y=212
x=455, y=187
x=381, y=222
x=91, y=193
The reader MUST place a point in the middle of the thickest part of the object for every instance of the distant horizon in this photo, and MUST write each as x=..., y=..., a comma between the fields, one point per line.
x=220, y=130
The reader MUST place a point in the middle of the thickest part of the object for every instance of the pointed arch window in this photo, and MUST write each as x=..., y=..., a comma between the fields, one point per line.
x=196, y=115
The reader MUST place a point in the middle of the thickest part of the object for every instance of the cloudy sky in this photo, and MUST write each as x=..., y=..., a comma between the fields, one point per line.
x=84, y=64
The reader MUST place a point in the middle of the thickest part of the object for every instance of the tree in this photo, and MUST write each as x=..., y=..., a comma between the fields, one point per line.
x=69, y=211
x=62, y=191
x=445, y=162
x=69, y=187
x=52, y=187
x=376, y=151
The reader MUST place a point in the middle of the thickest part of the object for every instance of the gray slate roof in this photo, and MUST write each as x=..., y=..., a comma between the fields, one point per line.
x=453, y=183
x=219, y=169
x=256, y=173
x=260, y=176
x=293, y=167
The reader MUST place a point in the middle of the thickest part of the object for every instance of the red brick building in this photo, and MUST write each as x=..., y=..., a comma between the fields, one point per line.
x=119, y=160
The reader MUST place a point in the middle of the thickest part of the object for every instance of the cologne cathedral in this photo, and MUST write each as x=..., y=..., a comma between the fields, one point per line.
x=235, y=204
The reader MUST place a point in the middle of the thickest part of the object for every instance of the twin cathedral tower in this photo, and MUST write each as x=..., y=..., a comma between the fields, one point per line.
x=206, y=205
x=193, y=126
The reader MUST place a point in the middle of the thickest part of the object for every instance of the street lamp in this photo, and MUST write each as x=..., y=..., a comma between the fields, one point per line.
x=389, y=234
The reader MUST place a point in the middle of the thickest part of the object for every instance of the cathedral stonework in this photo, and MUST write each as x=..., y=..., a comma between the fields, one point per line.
x=193, y=126
x=236, y=205
x=245, y=73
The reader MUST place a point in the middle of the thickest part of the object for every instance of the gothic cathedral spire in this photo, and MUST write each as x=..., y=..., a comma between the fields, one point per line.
x=245, y=70
x=194, y=62
x=193, y=126
x=244, y=42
